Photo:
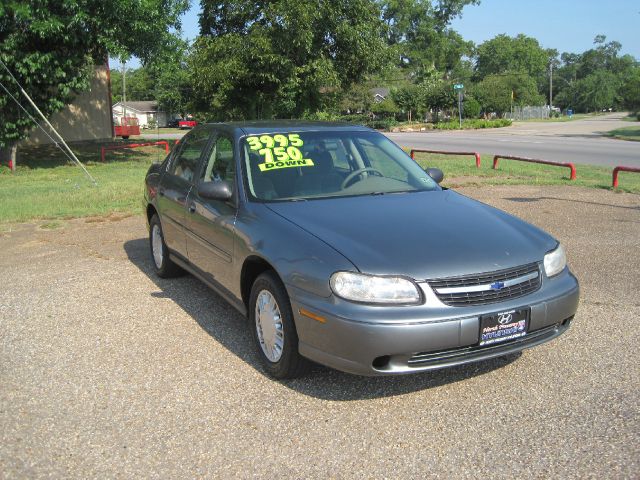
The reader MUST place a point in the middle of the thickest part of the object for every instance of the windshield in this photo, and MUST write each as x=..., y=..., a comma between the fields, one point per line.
x=302, y=165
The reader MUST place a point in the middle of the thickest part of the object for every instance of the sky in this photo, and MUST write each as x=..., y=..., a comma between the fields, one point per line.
x=566, y=25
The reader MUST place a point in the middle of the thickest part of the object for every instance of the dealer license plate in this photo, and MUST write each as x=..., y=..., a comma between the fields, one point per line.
x=503, y=326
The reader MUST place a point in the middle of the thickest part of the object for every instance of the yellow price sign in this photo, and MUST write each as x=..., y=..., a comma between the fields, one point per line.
x=285, y=155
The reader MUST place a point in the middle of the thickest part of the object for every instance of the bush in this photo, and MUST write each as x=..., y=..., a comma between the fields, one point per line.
x=382, y=123
x=473, y=124
x=471, y=108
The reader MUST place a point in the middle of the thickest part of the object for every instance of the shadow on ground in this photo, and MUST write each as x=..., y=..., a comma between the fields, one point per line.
x=537, y=199
x=216, y=317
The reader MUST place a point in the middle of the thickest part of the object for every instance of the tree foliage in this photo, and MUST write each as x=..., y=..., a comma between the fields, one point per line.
x=418, y=34
x=494, y=92
x=51, y=46
x=520, y=54
x=598, y=78
x=281, y=58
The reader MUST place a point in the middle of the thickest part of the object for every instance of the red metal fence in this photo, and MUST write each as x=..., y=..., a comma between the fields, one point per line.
x=569, y=165
x=134, y=145
x=622, y=169
x=442, y=152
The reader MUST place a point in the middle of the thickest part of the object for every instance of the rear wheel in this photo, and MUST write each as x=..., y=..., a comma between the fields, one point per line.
x=273, y=328
x=163, y=265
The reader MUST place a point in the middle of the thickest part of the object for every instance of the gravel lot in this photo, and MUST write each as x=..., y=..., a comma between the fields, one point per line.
x=107, y=371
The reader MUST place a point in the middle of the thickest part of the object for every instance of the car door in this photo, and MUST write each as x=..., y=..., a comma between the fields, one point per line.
x=175, y=186
x=210, y=223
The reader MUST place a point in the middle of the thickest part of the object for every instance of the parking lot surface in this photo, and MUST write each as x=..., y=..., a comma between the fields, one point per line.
x=107, y=371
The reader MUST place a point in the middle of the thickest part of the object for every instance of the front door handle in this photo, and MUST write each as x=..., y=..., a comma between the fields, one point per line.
x=192, y=208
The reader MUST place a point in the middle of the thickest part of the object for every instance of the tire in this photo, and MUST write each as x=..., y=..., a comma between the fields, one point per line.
x=125, y=137
x=162, y=264
x=276, y=343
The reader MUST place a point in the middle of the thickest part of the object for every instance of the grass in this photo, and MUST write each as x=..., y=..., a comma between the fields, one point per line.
x=461, y=171
x=46, y=187
x=632, y=117
x=626, y=133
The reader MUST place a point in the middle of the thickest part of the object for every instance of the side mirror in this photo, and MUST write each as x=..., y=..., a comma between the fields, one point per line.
x=436, y=174
x=221, y=190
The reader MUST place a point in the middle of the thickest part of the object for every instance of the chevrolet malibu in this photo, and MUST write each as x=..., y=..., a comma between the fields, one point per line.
x=340, y=249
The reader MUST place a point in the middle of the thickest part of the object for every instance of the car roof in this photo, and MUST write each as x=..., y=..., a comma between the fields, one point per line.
x=282, y=126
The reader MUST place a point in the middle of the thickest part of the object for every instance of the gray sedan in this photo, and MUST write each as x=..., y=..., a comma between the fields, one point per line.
x=340, y=249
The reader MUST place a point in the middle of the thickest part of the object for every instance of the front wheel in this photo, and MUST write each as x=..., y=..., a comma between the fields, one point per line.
x=163, y=265
x=273, y=328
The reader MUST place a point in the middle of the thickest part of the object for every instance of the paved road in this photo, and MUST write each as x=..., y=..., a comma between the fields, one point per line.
x=579, y=141
x=107, y=371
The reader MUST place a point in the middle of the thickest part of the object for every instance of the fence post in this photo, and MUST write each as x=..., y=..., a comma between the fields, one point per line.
x=621, y=168
x=477, y=159
x=102, y=153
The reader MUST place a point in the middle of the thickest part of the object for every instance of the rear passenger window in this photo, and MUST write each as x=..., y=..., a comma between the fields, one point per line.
x=186, y=163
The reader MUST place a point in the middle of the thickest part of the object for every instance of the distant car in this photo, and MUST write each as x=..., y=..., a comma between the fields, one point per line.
x=342, y=250
x=173, y=123
x=184, y=124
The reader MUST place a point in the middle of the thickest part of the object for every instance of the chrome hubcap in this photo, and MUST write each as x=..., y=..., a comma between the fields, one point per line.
x=156, y=246
x=269, y=326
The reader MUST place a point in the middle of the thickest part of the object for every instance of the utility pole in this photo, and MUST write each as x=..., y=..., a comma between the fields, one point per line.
x=458, y=88
x=124, y=93
x=551, y=84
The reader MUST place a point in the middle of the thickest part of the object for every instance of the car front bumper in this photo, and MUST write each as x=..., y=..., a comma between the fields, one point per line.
x=385, y=340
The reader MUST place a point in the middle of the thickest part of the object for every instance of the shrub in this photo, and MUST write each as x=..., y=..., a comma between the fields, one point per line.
x=471, y=108
x=473, y=124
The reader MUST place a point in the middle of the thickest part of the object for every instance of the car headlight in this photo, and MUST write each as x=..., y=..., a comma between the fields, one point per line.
x=357, y=287
x=555, y=261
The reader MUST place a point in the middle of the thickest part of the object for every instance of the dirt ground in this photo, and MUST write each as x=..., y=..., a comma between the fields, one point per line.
x=109, y=371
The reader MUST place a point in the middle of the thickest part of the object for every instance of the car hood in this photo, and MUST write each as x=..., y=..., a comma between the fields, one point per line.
x=419, y=234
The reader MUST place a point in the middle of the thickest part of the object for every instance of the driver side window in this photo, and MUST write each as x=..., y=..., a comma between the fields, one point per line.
x=186, y=163
x=221, y=165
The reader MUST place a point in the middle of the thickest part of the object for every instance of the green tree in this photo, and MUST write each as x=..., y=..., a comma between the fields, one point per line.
x=139, y=85
x=385, y=108
x=409, y=100
x=357, y=99
x=418, y=33
x=51, y=47
x=597, y=78
x=630, y=90
x=521, y=54
x=471, y=107
x=494, y=92
x=282, y=58
x=597, y=91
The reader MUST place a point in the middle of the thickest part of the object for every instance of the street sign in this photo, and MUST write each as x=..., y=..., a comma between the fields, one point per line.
x=458, y=86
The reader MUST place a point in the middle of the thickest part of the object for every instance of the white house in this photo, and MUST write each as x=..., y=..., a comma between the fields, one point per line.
x=145, y=111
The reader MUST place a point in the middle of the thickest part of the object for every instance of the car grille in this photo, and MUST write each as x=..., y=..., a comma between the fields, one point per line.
x=485, y=288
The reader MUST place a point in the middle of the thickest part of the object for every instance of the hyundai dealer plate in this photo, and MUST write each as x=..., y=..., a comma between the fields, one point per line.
x=503, y=326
